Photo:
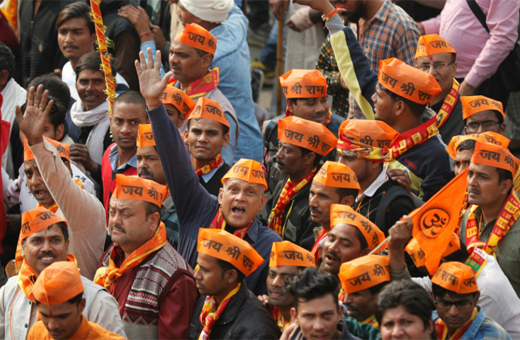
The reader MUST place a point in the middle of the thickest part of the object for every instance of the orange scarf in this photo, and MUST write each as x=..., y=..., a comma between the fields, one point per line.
x=208, y=316
x=200, y=87
x=108, y=276
x=442, y=330
x=288, y=191
x=448, y=104
x=219, y=222
x=214, y=164
x=277, y=316
x=416, y=136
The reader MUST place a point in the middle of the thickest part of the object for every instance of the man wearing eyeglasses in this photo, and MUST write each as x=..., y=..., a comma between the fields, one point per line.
x=482, y=114
x=455, y=294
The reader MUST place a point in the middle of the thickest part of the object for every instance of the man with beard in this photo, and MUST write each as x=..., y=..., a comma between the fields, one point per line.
x=302, y=145
x=45, y=240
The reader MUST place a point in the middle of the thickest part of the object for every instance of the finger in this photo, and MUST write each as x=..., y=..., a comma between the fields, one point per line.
x=38, y=95
x=143, y=61
x=19, y=116
x=48, y=109
x=158, y=60
x=150, y=57
x=43, y=102
x=138, y=67
x=30, y=97
x=166, y=78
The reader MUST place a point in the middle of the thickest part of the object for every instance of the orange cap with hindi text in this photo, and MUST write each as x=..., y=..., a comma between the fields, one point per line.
x=176, y=97
x=432, y=44
x=247, y=170
x=289, y=254
x=209, y=109
x=38, y=219
x=407, y=81
x=364, y=272
x=62, y=148
x=227, y=247
x=419, y=257
x=456, y=277
x=145, y=136
x=485, y=137
x=495, y=156
x=196, y=36
x=299, y=83
x=58, y=283
x=337, y=175
x=476, y=104
x=139, y=189
x=340, y=213
x=306, y=134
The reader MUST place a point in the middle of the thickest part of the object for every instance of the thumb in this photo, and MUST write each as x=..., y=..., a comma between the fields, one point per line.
x=166, y=78
x=19, y=116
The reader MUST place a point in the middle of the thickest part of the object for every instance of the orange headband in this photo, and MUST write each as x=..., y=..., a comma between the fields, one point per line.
x=364, y=272
x=139, y=189
x=476, y=104
x=337, y=175
x=38, y=219
x=209, y=109
x=196, y=36
x=306, y=134
x=176, y=97
x=432, y=44
x=62, y=148
x=247, y=170
x=145, y=136
x=456, y=277
x=303, y=84
x=289, y=254
x=486, y=137
x=58, y=283
x=495, y=156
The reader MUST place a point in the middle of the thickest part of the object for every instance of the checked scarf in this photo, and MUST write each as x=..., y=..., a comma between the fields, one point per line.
x=214, y=164
x=208, y=316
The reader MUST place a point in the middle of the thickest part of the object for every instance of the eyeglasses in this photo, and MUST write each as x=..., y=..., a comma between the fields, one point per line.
x=439, y=67
x=461, y=305
x=486, y=125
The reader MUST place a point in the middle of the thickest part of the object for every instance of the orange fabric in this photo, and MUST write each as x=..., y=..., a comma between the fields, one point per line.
x=145, y=136
x=432, y=44
x=209, y=109
x=456, y=277
x=364, y=272
x=435, y=222
x=340, y=213
x=211, y=312
x=179, y=99
x=306, y=134
x=299, y=83
x=486, y=137
x=62, y=148
x=417, y=254
x=289, y=254
x=196, y=36
x=407, y=81
x=337, y=175
x=27, y=153
x=247, y=170
x=476, y=104
x=448, y=104
x=139, y=189
x=36, y=220
x=227, y=247
x=58, y=283
x=495, y=156
x=212, y=165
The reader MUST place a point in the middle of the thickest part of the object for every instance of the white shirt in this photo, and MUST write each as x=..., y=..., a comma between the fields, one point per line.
x=376, y=184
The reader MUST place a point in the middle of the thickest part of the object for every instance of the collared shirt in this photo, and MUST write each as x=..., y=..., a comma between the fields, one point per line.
x=376, y=184
x=207, y=177
x=114, y=158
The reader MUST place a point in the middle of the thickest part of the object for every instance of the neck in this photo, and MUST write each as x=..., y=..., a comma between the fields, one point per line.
x=124, y=155
x=300, y=175
x=371, y=8
x=187, y=82
x=326, y=226
x=363, y=185
x=208, y=25
x=198, y=163
x=440, y=97
x=405, y=124
x=286, y=313
x=491, y=211
x=219, y=298
x=73, y=63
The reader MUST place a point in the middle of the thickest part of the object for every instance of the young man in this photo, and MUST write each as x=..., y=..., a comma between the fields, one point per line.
x=302, y=145
x=238, y=203
x=58, y=295
x=335, y=183
x=45, y=240
x=140, y=250
x=364, y=146
x=226, y=308
x=455, y=294
x=178, y=105
x=189, y=61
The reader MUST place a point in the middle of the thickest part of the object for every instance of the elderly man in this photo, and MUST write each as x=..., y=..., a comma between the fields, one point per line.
x=140, y=250
x=45, y=240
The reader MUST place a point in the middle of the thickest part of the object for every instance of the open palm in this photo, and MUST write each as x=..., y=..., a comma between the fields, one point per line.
x=152, y=86
x=32, y=122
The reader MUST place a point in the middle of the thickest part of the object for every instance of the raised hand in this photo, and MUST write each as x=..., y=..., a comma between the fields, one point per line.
x=32, y=123
x=152, y=86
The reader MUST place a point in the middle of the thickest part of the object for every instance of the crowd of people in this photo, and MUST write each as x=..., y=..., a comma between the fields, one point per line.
x=382, y=204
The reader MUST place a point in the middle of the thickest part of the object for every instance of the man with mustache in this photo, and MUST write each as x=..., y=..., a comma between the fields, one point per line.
x=45, y=240
x=140, y=250
x=302, y=146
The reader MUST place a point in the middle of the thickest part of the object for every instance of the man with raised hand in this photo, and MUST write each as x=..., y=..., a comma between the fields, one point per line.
x=239, y=201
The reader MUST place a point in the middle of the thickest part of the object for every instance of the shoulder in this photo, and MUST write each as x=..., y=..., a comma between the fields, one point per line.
x=266, y=234
x=169, y=260
x=399, y=15
x=98, y=332
x=490, y=329
x=38, y=331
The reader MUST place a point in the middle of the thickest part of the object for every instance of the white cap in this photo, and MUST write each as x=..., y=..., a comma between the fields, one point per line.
x=209, y=10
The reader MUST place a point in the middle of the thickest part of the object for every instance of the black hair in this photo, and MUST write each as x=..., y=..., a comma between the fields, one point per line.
x=362, y=240
x=75, y=300
x=409, y=295
x=504, y=175
x=317, y=158
x=92, y=61
x=202, y=53
x=468, y=144
x=313, y=285
x=225, y=129
x=441, y=292
x=77, y=9
x=416, y=108
x=7, y=60
x=344, y=192
x=377, y=288
x=225, y=266
x=131, y=97
x=59, y=92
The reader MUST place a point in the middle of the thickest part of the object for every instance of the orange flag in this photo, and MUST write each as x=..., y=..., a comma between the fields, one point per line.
x=435, y=222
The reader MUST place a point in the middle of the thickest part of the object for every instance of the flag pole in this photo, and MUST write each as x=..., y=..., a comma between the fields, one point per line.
x=376, y=249
x=279, y=61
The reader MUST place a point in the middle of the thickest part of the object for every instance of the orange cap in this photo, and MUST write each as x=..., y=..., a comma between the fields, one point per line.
x=364, y=272
x=145, y=136
x=196, y=36
x=486, y=137
x=337, y=175
x=456, y=277
x=432, y=44
x=407, y=81
x=303, y=84
x=419, y=257
x=179, y=99
x=289, y=254
x=27, y=153
x=38, y=219
x=369, y=139
x=62, y=148
x=306, y=134
x=227, y=247
x=340, y=213
x=247, y=170
x=476, y=104
x=209, y=109
x=495, y=156
x=139, y=189
x=58, y=283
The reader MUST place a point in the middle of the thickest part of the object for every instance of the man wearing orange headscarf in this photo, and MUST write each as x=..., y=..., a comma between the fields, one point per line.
x=140, y=250
x=58, y=295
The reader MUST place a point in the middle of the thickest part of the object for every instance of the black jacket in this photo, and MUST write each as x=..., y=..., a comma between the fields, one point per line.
x=244, y=318
x=215, y=183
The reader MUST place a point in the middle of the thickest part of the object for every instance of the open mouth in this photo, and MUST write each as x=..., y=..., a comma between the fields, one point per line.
x=40, y=194
x=238, y=211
